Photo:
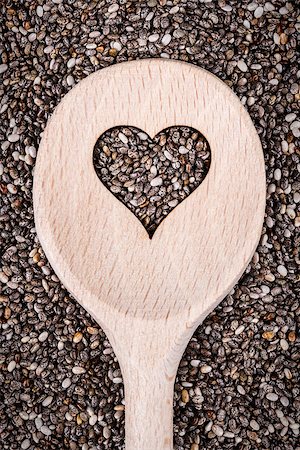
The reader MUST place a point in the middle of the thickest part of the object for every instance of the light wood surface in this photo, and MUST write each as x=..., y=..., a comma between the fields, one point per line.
x=149, y=295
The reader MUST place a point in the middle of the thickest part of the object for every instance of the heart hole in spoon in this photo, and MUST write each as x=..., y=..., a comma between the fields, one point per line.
x=151, y=176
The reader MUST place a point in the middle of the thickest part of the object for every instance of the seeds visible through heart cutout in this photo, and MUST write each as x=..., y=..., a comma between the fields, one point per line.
x=151, y=176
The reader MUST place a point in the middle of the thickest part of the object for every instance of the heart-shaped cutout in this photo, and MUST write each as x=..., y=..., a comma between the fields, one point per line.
x=151, y=176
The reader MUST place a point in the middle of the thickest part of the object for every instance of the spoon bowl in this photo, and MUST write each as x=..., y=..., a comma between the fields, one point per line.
x=149, y=295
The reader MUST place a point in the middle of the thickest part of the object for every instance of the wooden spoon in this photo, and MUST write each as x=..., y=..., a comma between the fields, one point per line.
x=149, y=296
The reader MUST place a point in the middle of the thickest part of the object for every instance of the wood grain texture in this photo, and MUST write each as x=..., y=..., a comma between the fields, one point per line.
x=149, y=295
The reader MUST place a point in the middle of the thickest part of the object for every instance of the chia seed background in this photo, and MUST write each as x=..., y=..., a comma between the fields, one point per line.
x=238, y=382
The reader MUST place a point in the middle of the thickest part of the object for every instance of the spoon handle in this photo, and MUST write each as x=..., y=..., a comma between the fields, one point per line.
x=149, y=409
x=149, y=353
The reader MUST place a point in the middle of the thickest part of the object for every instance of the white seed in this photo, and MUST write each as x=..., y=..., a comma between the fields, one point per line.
x=254, y=425
x=166, y=39
x=3, y=68
x=3, y=277
x=252, y=6
x=174, y=10
x=183, y=150
x=47, y=401
x=173, y=203
x=12, y=188
x=77, y=370
x=113, y=8
x=93, y=420
x=272, y=396
x=269, y=277
x=258, y=12
x=195, y=362
x=66, y=383
x=284, y=401
x=117, y=380
x=269, y=7
x=241, y=390
x=168, y=155
x=153, y=170
x=94, y=34
x=38, y=423
x=205, y=369
x=70, y=80
x=71, y=63
x=32, y=151
x=117, y=45
x=217, y=430
x=32, y=37
x=43, y=336
x=123, y=138
x=239, y=330
x=290, y=117
x=156, y=181
x=25, y=444
x=106, y=432
x=295, y=124
x=282, y=270
x=284, y=344
x=153, y=37
x=226, y=8
x=24, y=415
x=13, y=137
x=242, y=66
x=277, y=174
x=45, y=430
x=40, y=11
x=142, y=136
x=11, y=366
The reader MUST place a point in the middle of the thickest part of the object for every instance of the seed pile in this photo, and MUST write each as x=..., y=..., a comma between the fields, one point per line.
x=237, y=386
x=151, y=177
